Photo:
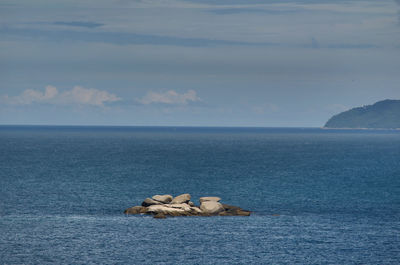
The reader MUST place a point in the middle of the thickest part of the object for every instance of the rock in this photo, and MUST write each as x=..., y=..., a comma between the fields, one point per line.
x=135, y=210
x=175, y=213
x=231, y=210
x=160, y=216
x=162, y=198
x=243, y=213
x=204, y=199
x=144, y=210
x=235, y=213
x=211, y=207
x=183, y=198
x=181, y=209
x=225, y=213
x=164, y=209
x=196, y=210
x=183, y=206
x=148, y=202
x=228, y=207
x=155, y=209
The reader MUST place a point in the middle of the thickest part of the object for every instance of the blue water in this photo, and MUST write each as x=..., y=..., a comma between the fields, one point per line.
x=318, y=196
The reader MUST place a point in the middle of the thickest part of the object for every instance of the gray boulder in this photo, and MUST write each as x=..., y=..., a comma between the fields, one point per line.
x=183, y=206
x=162, y=198
x=164, y=209
x=204, y=199
x=211, y=207
x=183, y=198
x=148, y=202
x=196, y=210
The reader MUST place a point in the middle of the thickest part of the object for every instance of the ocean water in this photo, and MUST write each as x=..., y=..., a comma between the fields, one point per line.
x=317, y=196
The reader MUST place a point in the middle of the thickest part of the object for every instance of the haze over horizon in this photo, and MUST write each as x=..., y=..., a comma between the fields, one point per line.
x=288, y=63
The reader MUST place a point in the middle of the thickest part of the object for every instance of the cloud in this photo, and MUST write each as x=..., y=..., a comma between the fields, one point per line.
x=239, y=10
x=88, y=96
x=170, y=97
x=77, y=95
x=30, y=96
x=118, y=38
x=78, y=24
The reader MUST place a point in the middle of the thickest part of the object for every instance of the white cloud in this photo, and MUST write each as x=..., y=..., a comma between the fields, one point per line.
x=170, y=97
x=77, y=95
x=88, y=96
x=30, y=96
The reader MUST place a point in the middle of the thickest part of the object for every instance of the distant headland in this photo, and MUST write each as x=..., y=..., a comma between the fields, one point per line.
x=381, y=115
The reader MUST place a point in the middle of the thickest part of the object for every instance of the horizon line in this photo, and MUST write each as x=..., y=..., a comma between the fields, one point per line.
x=155, y=126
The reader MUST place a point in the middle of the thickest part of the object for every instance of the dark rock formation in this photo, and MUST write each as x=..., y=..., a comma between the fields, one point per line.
x=160, y=216
x=135, y=210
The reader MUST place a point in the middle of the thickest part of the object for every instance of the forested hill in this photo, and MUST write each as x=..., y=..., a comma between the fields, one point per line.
x=383, y=114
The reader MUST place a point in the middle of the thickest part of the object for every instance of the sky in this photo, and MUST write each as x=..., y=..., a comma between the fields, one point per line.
x=287, y=63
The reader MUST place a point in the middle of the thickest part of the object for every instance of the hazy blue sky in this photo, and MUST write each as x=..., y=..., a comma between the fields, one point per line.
x=199, y=62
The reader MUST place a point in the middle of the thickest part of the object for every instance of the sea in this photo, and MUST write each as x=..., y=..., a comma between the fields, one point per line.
x=317, y=196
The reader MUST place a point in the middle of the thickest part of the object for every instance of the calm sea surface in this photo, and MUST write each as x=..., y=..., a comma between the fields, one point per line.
x=318, y=196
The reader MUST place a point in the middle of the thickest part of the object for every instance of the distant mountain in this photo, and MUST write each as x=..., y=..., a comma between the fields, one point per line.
x=383, y=114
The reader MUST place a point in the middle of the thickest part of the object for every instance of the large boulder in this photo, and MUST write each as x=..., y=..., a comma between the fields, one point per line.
x=148, y=202
x=164, y=209
x=162, y=198
x=204, y=199
x=183, y=206
x=211, y=207
x=195, y=210
x=183, y=198
x=135, y=210
x=154, y=209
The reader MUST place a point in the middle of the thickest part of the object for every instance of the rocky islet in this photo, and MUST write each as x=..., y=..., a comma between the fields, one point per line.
x=162, y=206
